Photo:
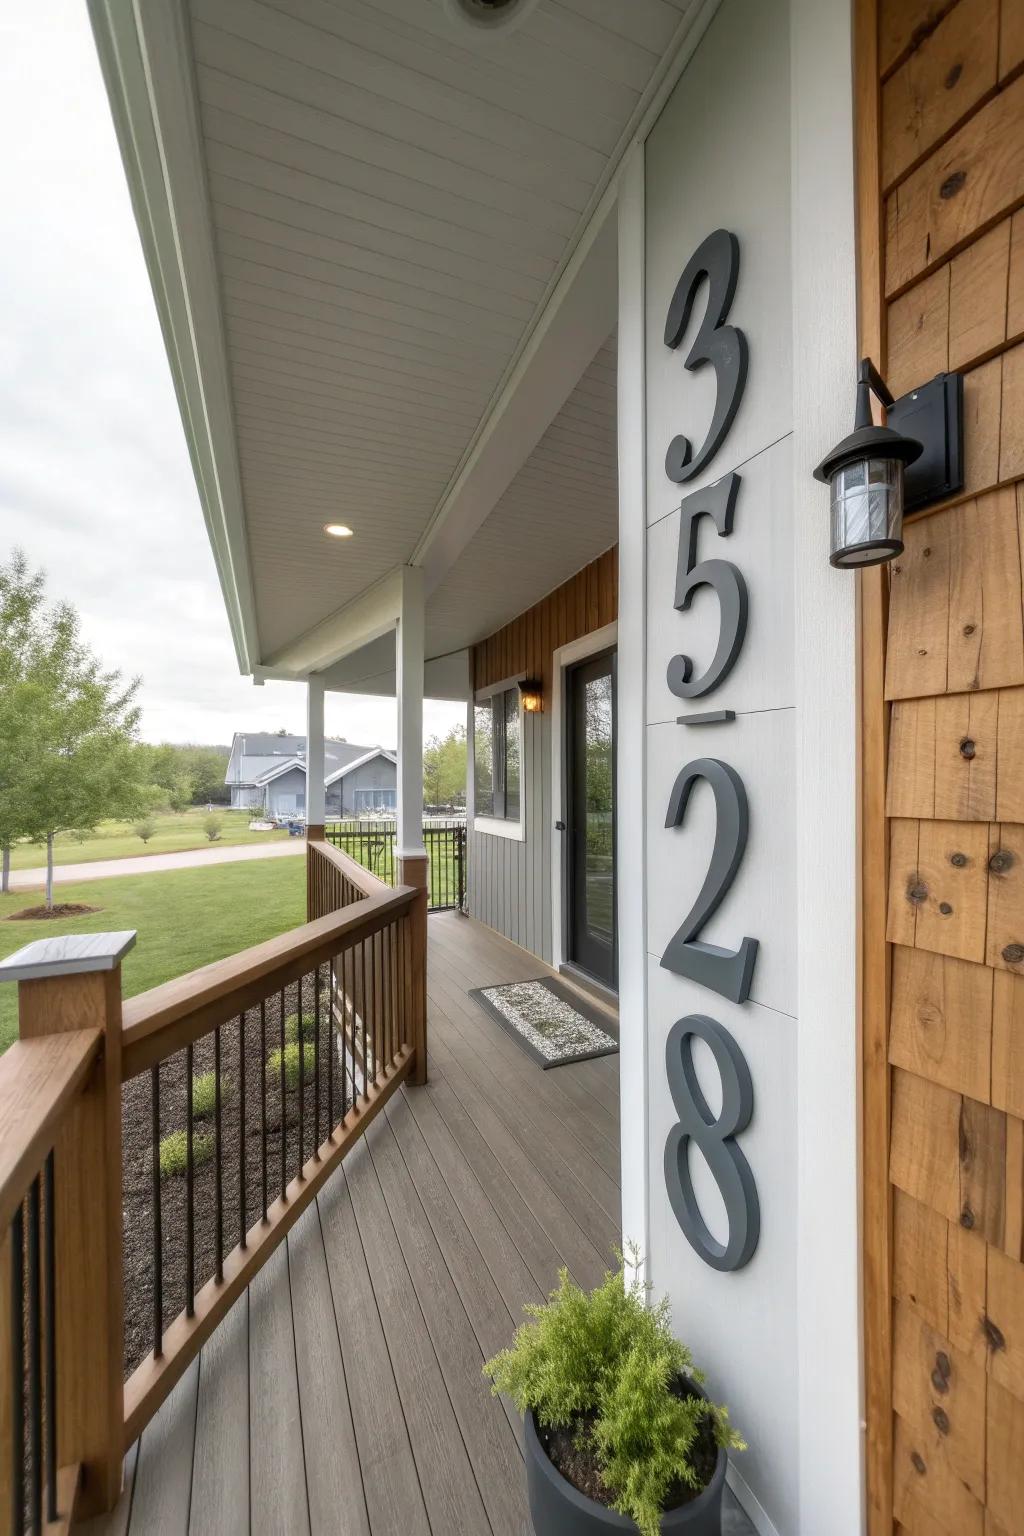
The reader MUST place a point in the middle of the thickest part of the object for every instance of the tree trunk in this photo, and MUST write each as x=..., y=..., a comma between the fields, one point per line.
x=49, y=871
x=5, y=875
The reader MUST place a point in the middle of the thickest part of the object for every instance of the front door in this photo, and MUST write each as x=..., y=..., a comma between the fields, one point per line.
x=590, y=761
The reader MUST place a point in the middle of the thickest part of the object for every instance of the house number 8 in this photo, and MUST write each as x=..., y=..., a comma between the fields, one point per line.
x=715, y=1139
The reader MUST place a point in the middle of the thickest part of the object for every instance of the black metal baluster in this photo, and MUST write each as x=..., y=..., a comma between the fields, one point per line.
x=284, y=1120
x=263, y=1103
x=218, y=1150
x=362, y=948
x=17, y=1383
x=345, y=1027
x=316, y=1064
x=242, y=1144
x=50, y=1326
x=190, y=1212
x=386, y=991
x=158, y=1230
x=302, y=1079
x=35, y=1360
x=331, y=993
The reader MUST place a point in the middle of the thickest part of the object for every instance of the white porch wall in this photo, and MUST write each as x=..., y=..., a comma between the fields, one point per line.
x=742, y=147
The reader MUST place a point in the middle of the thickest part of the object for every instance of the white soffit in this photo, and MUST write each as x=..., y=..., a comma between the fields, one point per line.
x=559, y=513
x=389, y=201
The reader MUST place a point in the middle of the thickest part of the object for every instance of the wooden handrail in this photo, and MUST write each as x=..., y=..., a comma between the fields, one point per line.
x=159, y=1022
x=361, y=877
x=39, y=1081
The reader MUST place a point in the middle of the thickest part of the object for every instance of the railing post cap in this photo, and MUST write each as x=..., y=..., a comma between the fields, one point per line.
x=68, y=955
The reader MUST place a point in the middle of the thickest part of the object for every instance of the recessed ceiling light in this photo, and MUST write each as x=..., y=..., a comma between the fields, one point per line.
x=338, y=530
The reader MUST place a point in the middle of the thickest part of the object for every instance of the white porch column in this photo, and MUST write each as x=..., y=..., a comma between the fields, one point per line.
x=409, y=687
x=315, y=798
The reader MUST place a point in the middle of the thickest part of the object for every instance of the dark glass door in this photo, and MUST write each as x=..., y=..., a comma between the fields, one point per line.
x=591, y=824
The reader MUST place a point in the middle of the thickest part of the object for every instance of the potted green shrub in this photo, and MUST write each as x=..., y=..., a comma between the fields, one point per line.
x=619, y=1433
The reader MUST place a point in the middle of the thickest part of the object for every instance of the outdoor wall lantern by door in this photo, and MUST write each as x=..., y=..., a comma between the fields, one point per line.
x=869, y=473
x=532, y=694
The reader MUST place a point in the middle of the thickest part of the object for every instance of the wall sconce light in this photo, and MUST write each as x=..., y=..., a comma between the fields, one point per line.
x=869, y=473
x=532, y=694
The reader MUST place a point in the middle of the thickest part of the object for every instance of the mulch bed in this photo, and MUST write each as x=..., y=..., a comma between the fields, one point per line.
x=137, y=1123
x=60, y=909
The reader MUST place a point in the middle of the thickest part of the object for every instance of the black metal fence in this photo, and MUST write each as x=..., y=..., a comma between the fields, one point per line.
x=373, y=845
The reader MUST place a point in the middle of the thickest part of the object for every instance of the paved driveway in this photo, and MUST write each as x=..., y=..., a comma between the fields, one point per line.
x=152, y=863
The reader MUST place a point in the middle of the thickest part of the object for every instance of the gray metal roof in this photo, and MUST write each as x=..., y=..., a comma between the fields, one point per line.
x=253, y=752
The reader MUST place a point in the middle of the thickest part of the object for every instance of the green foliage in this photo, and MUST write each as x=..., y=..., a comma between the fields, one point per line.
x=212, y=827
x=605, y=1364
x=444, y=768
x=68, y=727
x=204, y=1093
x=292, y=1065
x=188, y=774
x=145, y=828
x=174, y=1152
x=291, y=1027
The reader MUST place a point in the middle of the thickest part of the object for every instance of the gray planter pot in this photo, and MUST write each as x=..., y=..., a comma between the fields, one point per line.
x=559, y=1509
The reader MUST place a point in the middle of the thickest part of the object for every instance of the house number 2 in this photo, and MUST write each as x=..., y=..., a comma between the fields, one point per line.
x=725, y=971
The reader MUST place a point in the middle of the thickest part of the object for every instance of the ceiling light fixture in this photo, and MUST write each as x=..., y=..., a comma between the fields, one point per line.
x=338, y=530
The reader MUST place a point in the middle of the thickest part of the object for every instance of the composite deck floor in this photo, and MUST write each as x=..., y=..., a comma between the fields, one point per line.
x=344, y=1393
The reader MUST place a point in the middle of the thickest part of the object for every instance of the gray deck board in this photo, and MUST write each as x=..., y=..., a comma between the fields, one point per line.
x=277, y=1463
x=334, y=1481
x=220, y=1470
x=450, y=1489
x=344, y=1392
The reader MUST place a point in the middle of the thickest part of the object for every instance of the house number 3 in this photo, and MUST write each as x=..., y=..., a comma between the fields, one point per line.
x=727, y=972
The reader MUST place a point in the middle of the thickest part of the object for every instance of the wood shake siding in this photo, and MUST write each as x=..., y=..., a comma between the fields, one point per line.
x=940, y=129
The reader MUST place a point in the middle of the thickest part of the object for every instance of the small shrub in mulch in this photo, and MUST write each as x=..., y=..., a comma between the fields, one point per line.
x=174, y=1152
x=291, y=1027
x=59, y=909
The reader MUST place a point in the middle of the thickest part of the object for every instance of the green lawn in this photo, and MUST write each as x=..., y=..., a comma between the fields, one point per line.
x=116, y=840
x=185, y=918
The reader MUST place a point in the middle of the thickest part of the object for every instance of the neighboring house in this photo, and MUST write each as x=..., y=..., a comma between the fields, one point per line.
x=507, y=360
x=267, y=773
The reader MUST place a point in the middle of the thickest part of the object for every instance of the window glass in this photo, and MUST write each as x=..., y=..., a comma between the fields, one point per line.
x=512, y=754
x=483, y=758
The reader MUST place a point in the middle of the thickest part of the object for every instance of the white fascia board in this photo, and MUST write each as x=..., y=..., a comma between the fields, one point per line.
x=367, y=757
x=145, y=55
x=364, y=619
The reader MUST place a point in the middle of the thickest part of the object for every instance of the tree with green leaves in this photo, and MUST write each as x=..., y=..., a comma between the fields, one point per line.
x=74, y=726
x=444, y=768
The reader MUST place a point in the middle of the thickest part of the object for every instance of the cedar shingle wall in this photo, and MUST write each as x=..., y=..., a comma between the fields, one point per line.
x=951, y=179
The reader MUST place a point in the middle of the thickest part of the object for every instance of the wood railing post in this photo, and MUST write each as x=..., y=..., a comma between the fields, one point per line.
x=73, y=983
x=414, y=870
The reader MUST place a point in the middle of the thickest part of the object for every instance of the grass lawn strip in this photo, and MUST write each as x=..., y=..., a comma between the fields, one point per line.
x=185, y=918
x=174, y=834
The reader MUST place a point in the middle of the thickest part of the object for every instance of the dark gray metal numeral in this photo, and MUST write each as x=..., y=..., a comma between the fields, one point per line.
x=726, y=971
x=715, y=1139
x=719, y=503
x=723, y=346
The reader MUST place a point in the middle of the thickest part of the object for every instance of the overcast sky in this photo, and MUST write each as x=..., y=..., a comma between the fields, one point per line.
x=95, y=481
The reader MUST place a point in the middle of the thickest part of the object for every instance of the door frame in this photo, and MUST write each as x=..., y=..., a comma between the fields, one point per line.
x=566, y=656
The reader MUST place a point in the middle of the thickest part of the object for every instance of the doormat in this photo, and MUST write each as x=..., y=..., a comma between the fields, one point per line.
x=549, y=1022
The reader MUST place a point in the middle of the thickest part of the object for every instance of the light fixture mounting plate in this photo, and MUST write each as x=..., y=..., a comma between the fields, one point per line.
x=934, y=414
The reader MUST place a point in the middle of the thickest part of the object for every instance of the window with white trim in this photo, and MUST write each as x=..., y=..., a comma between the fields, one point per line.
x=497, y=755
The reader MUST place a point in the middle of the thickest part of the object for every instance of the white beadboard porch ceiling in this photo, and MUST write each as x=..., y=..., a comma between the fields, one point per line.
x=562, y=501
x=392, y=198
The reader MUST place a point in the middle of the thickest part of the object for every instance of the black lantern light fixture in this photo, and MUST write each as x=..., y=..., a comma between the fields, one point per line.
x=532, y=694
x=865, y=475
